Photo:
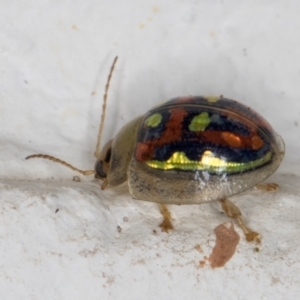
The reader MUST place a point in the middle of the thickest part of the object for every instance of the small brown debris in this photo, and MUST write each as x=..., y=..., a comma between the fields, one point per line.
x=202, y=263
x=198, y=248
x=76, y=179
x=226, y=241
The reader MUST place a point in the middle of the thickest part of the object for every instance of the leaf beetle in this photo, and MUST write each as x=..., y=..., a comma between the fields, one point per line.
x=189, y=150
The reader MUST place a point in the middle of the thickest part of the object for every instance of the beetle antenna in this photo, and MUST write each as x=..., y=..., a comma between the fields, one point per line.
x=52, y=158
x=97, y=151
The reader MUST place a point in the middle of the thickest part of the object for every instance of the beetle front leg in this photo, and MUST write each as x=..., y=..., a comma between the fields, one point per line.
x=232, y=211
x=166, y=224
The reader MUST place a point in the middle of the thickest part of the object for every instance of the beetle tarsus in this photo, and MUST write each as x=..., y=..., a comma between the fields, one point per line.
x=232, y=211
x=166, y=224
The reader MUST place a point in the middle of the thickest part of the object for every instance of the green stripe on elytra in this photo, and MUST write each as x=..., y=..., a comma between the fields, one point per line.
x=154, y=120
x=199, y=122
x=208, y=163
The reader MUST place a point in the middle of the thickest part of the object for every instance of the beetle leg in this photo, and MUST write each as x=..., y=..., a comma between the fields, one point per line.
x=232, y=211
x=166, y=224
x=104, y=184
x=267, y=187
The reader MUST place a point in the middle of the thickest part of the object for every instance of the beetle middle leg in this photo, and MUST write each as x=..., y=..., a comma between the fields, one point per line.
x=166, y=224
x=232, y=211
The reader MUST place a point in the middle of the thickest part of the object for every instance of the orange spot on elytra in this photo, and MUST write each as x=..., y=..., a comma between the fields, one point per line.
x=257, y=142
x=232, y=139
x=172, y=133
x=143, y=152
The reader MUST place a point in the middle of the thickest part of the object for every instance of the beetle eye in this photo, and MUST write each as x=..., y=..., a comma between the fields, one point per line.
x=99, y=170
x=107, y=156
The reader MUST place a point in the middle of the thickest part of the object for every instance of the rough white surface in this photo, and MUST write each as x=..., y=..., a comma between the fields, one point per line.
x=67, y=240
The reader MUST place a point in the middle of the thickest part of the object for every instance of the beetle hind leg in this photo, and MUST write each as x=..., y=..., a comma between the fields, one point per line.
x=166, y=224
x=232, y=211
x=267, y=187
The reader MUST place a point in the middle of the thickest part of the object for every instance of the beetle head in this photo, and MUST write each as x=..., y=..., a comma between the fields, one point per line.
x=103, y=163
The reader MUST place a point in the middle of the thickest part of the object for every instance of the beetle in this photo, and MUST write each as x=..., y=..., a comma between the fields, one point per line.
x=189, y=150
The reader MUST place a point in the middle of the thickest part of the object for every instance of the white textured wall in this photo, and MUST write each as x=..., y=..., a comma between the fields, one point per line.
x=53, y=56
